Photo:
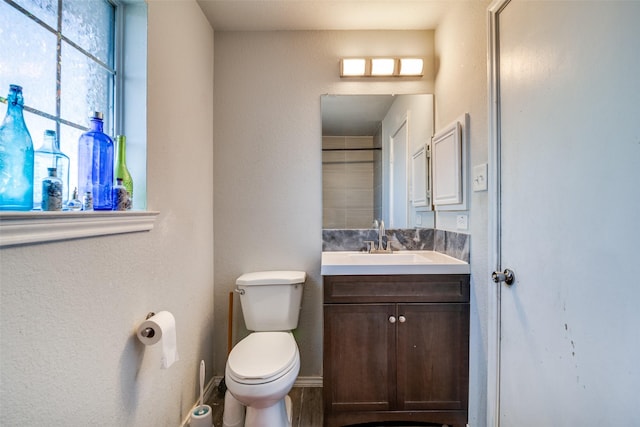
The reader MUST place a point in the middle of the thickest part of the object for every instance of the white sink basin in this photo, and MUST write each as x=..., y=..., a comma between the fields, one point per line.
x=392, y=258
x=400, y=262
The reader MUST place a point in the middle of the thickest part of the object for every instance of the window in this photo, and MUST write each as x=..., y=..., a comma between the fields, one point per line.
x=66, y=56
x=62, y=53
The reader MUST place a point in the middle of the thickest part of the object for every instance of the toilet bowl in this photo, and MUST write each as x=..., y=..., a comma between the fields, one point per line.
x=260, y=372
x=262, y=368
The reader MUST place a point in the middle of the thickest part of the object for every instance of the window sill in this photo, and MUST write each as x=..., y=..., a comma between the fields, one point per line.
x=18, y=228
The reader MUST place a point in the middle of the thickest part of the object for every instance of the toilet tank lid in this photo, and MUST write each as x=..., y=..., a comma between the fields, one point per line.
x=272, y=278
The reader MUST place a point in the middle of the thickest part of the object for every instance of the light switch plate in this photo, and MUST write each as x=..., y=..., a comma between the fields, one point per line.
x=462, y=222
x=479, y=178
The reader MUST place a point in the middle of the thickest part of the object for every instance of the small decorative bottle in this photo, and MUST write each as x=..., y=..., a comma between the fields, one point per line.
x=87, y=201
x=121, y=166
x=50, y=156
x=95, y=164
x=120, y=197
x=74, y=203
x=16, y=156
x=52, y=192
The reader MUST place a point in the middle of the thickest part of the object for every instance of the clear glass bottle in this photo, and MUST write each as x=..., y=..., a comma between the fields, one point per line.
x=121, y=170
x=74, y=203
x=87, y=201
x=95, y=164
x=52, y=191
x=16, y=156
x=120, y=196
x=50, y=156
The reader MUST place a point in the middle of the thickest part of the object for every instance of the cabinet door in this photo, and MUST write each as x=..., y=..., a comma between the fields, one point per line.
x=359, y=357
x=433, y=356
x=447, y=166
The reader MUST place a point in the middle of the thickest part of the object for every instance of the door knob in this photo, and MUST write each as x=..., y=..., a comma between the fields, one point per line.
x=402, y=319
x=506, y=276
x=392, y=319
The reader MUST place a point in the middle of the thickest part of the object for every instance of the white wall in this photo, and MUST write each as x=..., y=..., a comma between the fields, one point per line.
x=461, y=87
x=419, y=114
x=68, y=310
x=268, y=162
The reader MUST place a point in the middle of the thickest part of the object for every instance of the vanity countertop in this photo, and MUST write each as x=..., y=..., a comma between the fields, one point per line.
x=346, y=263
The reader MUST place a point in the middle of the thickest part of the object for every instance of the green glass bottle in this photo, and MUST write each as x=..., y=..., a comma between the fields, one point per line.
x=120, y=169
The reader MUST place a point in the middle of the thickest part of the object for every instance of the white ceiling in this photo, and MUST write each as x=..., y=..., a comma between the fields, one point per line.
x=273, y=15
x=341, y=115
x=358, y=115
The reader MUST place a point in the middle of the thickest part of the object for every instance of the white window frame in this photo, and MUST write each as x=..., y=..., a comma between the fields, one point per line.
x=18, y=228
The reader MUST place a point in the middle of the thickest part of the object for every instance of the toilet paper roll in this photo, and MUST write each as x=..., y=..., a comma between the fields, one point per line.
x=163, y=325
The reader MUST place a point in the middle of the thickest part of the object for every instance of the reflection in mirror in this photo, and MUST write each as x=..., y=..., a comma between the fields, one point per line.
x=369, y=147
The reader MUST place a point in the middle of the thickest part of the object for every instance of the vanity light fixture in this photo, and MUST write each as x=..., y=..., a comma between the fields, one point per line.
x=381, y=67
x=352, y=67
x=410, y=67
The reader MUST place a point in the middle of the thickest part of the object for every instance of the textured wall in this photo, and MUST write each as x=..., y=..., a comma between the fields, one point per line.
x=268, y=160
x=461, y=86
x=69, y=309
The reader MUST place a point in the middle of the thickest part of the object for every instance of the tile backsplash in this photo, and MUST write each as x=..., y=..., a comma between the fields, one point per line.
x=447, y=242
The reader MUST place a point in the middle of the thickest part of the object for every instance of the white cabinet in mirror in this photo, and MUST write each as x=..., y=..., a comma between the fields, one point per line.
x=421, y=177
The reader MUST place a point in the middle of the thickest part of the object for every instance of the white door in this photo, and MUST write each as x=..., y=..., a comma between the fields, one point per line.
x=568, y=204
x=399, y=193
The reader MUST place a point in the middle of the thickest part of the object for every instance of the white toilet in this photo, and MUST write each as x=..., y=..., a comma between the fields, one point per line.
x=262, y=368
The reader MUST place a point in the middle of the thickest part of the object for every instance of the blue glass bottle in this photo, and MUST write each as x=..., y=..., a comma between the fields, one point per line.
x=95, y=164
x=50, y=156
x=16, y=156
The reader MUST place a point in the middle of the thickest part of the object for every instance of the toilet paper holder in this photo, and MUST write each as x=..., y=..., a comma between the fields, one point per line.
x=148, y=332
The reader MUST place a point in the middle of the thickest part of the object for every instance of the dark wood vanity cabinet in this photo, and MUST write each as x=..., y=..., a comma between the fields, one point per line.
x=396, y=348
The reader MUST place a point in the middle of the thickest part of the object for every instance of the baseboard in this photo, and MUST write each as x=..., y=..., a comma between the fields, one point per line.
x=308, y=382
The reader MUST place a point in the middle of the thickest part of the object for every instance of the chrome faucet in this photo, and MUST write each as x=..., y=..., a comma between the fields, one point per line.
x=371, y=248
x=380, y=234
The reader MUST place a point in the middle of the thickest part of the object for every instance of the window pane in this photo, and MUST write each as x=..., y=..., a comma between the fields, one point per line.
x=28, y=59
x=37, y=125
x=89, y=24
x=85, y=87
x=69, y=145
x=45, y=10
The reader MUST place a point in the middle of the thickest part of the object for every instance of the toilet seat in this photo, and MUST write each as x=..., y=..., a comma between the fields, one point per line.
x=262, y=357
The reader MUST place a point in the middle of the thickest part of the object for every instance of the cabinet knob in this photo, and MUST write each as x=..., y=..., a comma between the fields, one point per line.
x=392, y=319
x=402, y=319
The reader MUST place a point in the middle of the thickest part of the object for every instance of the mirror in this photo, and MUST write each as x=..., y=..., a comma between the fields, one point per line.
x=375, y=160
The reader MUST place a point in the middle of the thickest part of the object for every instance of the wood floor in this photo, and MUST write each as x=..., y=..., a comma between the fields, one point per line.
x=307, y=407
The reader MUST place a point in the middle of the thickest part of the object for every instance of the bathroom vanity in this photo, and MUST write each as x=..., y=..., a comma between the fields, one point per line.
x=396, y=346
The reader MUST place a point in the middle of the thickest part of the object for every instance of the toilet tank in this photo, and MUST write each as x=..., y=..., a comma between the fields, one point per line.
x=271, y=300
